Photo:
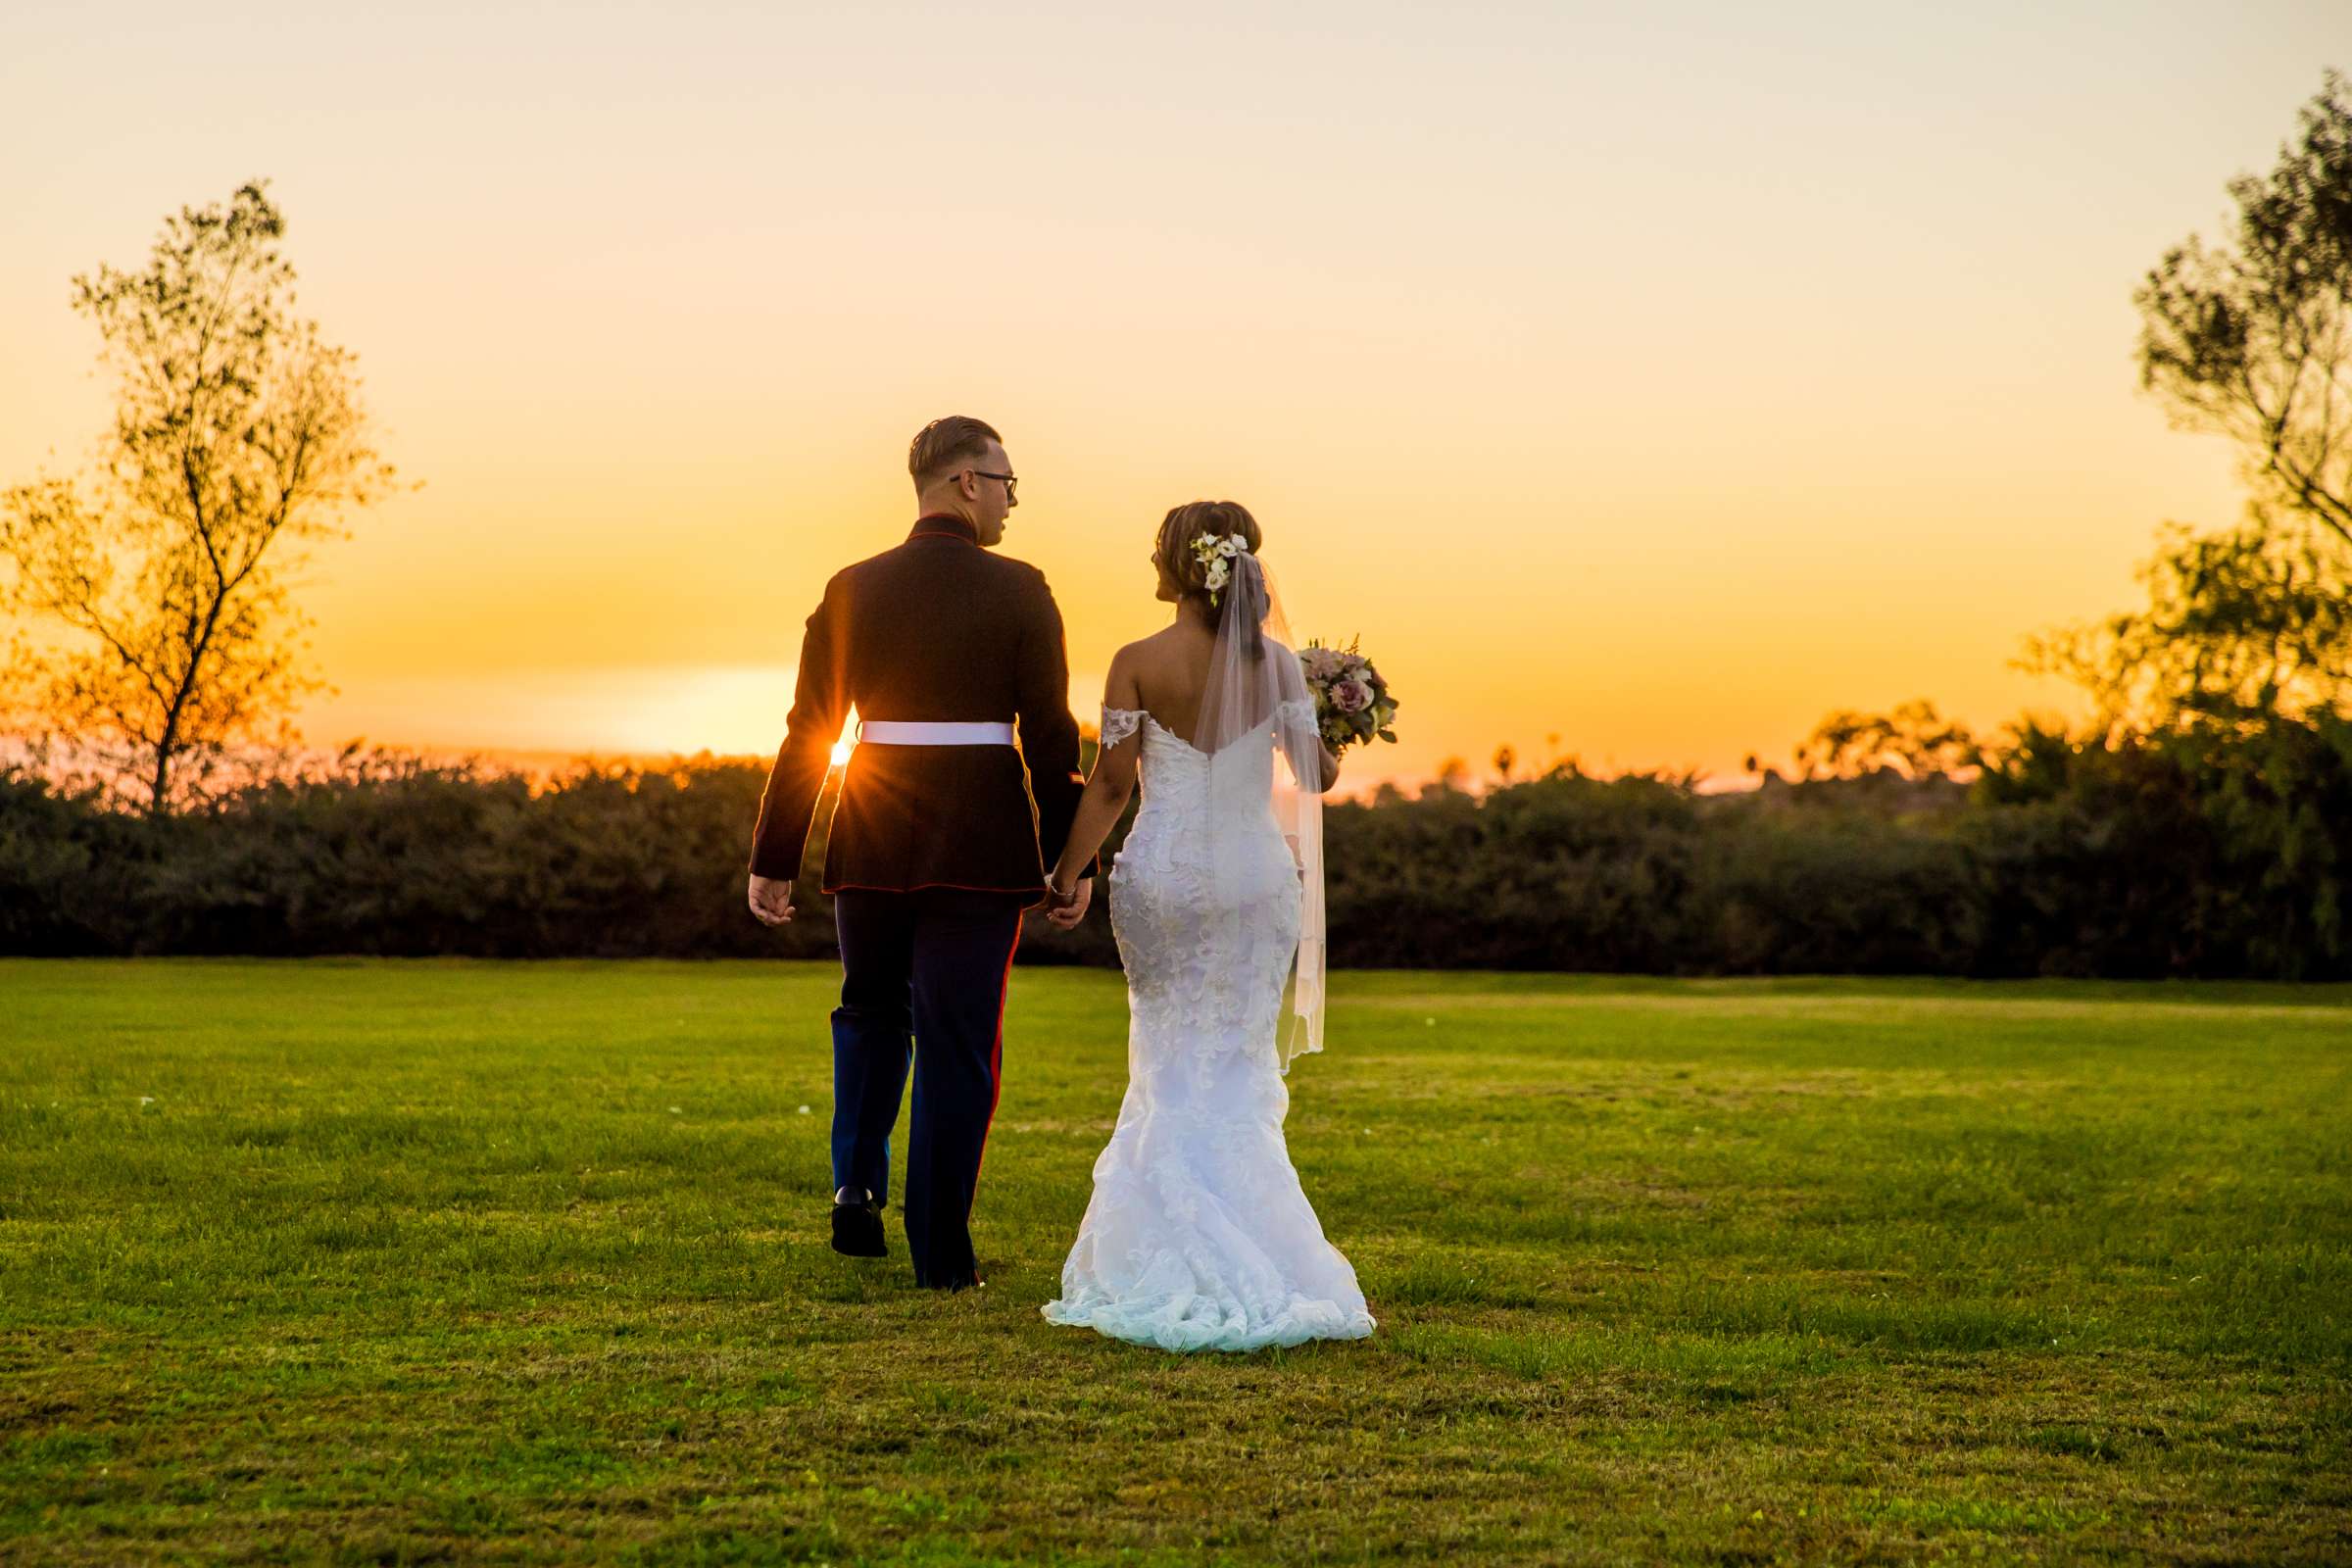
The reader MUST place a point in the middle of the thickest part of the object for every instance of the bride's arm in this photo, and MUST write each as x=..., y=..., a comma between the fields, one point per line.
x=1107, y=789
x=1331, y=768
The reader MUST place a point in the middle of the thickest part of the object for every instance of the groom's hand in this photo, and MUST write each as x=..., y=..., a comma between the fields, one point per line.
x=771, y=900
x=1066, y=913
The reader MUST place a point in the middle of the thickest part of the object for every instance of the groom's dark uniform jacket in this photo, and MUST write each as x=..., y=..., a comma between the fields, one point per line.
x=936, y=629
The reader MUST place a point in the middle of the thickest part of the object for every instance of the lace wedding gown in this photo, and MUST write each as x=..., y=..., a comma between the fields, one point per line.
x=1197, y=1237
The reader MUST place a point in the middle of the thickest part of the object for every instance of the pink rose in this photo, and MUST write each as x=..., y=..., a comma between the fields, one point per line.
x=1321, y=663
x=1350, y=696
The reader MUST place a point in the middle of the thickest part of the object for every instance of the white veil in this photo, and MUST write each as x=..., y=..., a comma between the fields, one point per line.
x=1255, y=683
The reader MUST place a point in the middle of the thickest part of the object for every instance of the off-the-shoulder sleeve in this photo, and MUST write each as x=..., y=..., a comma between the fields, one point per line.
x=1297, y=710
x=1118, y=723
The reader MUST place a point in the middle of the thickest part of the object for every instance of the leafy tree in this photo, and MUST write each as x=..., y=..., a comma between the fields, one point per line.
x=2253, y=340
x=1913, y=740
x=2241, y=627
x=159, y=583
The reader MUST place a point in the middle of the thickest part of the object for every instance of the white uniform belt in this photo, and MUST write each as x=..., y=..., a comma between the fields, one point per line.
x=933, y=732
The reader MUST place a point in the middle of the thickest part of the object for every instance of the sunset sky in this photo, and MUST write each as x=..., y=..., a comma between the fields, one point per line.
x=1652, y=377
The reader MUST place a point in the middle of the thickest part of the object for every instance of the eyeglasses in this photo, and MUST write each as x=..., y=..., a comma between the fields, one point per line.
x=1010, y=480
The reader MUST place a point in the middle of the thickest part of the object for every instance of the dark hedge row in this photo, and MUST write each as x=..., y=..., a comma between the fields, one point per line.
x=2186, y=855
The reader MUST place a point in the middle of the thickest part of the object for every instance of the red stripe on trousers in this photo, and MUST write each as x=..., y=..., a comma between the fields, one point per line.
x=995, y=1067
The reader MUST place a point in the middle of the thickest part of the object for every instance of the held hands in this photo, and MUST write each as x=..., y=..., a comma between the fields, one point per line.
x=771, y=900
x=1066, y=907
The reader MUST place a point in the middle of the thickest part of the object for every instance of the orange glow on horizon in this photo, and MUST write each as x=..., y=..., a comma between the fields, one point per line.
x=1640, y=385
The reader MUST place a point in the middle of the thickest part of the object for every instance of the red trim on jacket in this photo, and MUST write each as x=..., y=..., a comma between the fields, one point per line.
x=945, y=525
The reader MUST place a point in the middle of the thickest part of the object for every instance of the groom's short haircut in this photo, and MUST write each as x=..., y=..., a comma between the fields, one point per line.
x=941, y=445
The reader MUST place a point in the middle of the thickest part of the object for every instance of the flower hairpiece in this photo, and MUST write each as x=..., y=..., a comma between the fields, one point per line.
x=1215, y=556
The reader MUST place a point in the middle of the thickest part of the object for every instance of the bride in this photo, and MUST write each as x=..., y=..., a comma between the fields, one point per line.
x=1197, y=1237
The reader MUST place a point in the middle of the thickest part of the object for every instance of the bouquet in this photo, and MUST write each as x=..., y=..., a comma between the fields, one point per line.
x=1351, y=702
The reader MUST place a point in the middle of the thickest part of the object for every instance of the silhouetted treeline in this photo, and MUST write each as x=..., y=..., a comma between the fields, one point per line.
x=2181, y=856
x=2211, y=853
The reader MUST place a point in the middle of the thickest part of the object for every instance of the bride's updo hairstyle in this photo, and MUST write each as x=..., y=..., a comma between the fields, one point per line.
x=1220, y=519
x=1187, y=523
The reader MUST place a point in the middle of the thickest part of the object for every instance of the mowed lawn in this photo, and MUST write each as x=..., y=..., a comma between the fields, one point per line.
x=391, y=1262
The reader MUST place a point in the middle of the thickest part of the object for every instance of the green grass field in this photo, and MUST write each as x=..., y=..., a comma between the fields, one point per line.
x=392, y=1263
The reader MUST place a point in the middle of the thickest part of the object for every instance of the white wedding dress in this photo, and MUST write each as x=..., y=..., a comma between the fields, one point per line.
x=1197, y=1237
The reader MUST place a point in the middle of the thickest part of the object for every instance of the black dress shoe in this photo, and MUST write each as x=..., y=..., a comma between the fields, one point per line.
x=858, y=1228
x=950, y=1283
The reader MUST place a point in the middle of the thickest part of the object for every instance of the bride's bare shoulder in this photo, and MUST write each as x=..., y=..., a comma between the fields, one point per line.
x=1130, y=668
x=1149, y=668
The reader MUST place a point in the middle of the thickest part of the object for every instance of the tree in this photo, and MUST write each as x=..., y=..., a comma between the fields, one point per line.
x=1913, y=740
x=237, y=436
x=2254, y=340
x=1453, y=778
x=2241, y=627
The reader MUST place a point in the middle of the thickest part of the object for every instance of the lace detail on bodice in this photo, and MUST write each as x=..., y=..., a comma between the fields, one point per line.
x=1118, y=723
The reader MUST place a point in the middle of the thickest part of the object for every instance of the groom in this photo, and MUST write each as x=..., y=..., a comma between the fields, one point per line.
x=940, y=837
